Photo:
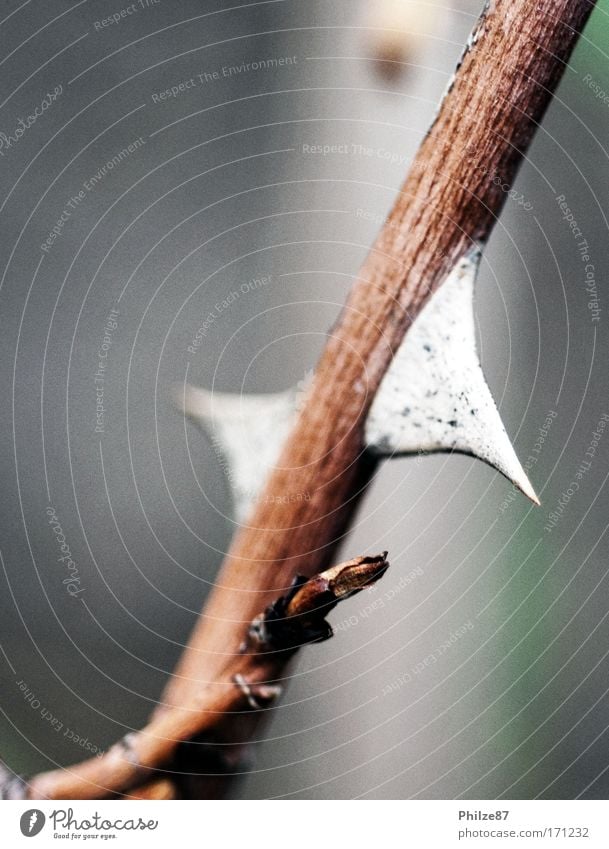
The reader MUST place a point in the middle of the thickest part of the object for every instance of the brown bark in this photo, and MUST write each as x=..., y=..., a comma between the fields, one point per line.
x=249, y=684
x=511, y=66
x=499, y=94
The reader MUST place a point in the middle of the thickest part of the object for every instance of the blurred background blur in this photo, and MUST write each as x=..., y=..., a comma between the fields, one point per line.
x=173, y=163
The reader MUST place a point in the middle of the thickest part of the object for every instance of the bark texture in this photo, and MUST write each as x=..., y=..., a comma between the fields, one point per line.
x=450, y=201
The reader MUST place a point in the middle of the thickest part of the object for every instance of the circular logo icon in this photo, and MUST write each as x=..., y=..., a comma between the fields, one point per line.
x=32, y=822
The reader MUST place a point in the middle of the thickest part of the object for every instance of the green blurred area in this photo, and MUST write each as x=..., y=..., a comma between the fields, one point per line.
x=592, y=52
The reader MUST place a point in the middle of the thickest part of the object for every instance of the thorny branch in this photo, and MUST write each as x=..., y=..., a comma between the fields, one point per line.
x=250, y=683
x=449, y=202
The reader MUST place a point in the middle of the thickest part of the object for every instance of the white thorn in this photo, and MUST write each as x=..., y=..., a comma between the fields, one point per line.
x=249, y=430
x=434, y=396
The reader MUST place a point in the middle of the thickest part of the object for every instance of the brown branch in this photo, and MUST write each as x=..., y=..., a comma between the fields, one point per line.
x=450, y=200
x=247, y=686
x=512, y=64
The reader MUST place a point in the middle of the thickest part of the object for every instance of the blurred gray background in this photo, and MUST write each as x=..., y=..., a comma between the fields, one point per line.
x=222, y=189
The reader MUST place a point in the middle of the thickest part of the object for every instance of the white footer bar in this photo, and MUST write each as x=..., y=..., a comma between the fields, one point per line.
x=307, y=825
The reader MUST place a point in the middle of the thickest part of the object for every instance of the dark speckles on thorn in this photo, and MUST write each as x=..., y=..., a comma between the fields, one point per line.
x=438, y=371
x=384, y=445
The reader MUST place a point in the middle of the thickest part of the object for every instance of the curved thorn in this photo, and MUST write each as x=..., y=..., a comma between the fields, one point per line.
x=248, y=430
x=434, y=396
